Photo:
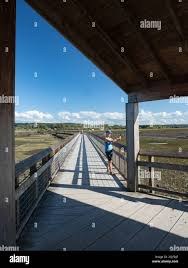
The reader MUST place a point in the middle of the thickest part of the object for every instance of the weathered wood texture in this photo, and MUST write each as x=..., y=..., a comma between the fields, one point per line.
x=161, y=190
x=7, y=88
x=158, y=91
x=87, y=209
x=133, y=145
x=163, y=165
x=43, y=155
x=30, y=191
x=181, y=155
x=120, y=162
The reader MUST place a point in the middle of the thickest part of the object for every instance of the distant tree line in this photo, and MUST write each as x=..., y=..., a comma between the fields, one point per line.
x=163, y=126
x=61, y=127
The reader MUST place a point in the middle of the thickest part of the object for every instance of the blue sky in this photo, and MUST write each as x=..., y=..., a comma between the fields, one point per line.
x=64, y=89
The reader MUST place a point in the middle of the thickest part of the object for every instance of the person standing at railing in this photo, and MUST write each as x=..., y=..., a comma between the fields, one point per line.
x=109, y=149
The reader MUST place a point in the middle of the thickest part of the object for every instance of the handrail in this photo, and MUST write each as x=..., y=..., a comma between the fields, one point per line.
x=182, y=155
x=44, y=155
x=31, y=190
x=151, y=164
x=163, y=165
x=116, y=144
x=153, y=189
x=119, y=158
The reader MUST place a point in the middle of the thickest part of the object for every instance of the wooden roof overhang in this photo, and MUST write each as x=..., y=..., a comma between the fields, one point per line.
x=161, y=52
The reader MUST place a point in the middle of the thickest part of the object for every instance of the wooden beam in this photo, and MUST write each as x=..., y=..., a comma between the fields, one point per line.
x=133, y=145
x=167, y=166
x=159, y=91
x=178, y=155
x=131, y=18
x=177, y=23
x=7, y=89
x=110, y=43
x=157, y=189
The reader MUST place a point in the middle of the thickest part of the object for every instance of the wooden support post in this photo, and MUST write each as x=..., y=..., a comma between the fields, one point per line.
x=7, y=91
x=152, y=174
x=132, y=135
x=119, y=162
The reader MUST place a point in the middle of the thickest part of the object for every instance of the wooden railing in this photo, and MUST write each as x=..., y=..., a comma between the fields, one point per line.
x=33, y=176
x=119, y=155
x=149, y=164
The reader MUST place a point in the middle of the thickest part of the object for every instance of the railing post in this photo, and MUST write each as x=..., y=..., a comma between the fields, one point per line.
x=7, y=107
x=33, y=169
x=138, y=168
x=16, y=182
x=152, y=174
x=17, y=212
x=132, y=135
x=119, y=162
x=45, y=160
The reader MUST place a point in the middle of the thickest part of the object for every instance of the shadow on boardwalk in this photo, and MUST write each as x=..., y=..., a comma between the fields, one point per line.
x=86, y=209
x=75, y=225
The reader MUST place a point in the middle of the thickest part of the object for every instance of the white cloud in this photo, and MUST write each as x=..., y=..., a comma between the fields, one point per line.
x=90, y=115
x=177, y=117
x=65, y=116
x=115, y=116
x=145, y=117
x=80, y=117
x=33, y=116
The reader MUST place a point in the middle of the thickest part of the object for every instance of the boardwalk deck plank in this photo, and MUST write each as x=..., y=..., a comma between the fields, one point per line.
x=83, y=194
x=157, y=230
x=180, y=229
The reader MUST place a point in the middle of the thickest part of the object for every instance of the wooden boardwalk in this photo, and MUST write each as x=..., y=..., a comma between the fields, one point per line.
x=87, y=209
